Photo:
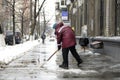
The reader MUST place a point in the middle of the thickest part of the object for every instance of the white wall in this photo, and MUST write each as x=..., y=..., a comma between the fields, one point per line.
x=2, y=41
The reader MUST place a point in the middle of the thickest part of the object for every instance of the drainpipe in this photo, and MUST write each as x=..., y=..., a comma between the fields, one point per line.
x=115, y=32
x=107, y=17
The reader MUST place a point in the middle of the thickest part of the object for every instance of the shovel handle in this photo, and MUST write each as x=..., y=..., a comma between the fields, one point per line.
x=52, y=55
x=49, y=58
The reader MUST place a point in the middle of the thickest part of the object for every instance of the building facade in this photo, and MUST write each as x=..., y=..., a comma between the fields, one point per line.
x=100, y=16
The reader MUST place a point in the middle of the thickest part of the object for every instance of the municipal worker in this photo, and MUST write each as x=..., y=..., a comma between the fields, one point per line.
x=66, y=39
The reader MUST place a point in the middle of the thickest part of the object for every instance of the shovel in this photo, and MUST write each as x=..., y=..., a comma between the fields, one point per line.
x=49, y=58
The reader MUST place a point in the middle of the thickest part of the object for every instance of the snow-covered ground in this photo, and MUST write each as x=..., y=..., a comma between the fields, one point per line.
x=9, y=53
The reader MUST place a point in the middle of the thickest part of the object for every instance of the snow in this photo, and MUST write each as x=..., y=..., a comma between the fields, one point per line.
x=113, y=38
x=9, y=53
x=52, y=67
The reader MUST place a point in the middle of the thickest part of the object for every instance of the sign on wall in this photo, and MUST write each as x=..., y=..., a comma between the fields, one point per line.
x=64, y=15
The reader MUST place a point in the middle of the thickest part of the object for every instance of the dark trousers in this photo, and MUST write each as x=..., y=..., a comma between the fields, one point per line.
x=65, y=52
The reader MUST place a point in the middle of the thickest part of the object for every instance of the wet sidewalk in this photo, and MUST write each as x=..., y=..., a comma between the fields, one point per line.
x=28, y=67
x=95, y=65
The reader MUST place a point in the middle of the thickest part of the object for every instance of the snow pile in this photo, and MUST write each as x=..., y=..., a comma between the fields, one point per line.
x=88, y=52
x=114, y=38
x=77, y=71
x=9, y=53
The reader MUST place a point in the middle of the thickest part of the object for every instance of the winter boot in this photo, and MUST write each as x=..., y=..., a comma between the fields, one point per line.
x=64, y=66
x=79, y=63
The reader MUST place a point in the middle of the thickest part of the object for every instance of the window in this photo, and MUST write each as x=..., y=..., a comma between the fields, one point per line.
x=63, y=2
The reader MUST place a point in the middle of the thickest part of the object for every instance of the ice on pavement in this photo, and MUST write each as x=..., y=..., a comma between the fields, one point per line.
x=9, y=53
x=52, y=67
x=115, y=66
x=55, y=69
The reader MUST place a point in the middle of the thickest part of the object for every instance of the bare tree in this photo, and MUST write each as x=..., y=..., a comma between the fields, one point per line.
x=12, y=7
x=36, y=14
x=18, y=12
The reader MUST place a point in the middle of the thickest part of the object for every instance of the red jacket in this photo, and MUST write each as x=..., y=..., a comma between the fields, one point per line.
x=65, y=36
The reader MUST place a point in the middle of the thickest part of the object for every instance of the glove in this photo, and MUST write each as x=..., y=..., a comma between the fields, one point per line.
x=59, y=47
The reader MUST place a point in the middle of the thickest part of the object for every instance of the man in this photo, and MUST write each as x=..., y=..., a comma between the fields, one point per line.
x=84, y=41
x=66, y=39
x=43, y=36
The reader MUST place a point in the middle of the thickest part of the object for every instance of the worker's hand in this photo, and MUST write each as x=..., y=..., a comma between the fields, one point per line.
x=59, y=47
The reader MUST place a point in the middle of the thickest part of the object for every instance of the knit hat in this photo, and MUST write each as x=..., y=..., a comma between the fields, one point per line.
x=55, y=25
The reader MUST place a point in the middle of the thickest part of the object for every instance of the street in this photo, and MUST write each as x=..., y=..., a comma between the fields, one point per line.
x=28, y=67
